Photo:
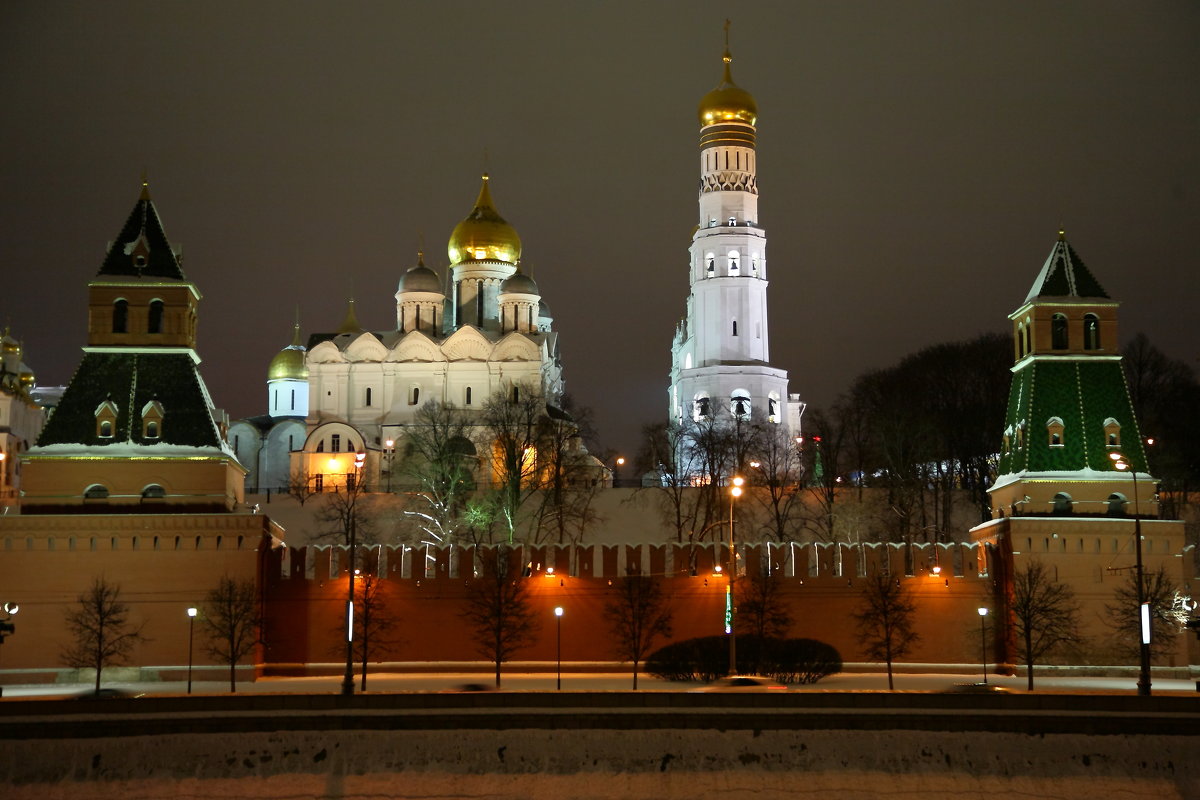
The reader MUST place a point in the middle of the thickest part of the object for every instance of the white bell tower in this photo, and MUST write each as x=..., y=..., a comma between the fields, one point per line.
x=720, y=358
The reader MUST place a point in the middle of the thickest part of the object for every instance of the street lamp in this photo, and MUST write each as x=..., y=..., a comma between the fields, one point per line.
x=191, y=612
x=617, y=464
x=983, y=612
x=1143, y=686
x=390, y=444
x=352, y=497
x=735, y=492
x=558, y=624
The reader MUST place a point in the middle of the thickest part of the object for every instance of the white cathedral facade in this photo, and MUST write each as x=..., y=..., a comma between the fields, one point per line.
x=480, y=332
x=720, y=359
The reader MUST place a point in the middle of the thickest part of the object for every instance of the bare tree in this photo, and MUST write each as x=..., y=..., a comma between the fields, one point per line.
x=885, y=621
x=101, y=632
x=775, y=484
x=232, y=621
x=498, y=610
x=761, y=608
x=440, y=462
x=570, y=476
x=373, y=623
x=665, y=454
x=512, y=421
x=1047, y=616
x=638, y=615
x=1124, y=615
x=300, y=486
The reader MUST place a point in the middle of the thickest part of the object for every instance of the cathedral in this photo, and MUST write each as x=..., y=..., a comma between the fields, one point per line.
x=480, y=331
x=720, y=360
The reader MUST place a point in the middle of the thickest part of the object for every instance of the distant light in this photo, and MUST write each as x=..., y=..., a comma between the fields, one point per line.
x=755, y=464
x=333, y=464
x=717, y=568
x=620, y=461
x=11, y=608
x=937, y=570
x=192, y=611
x=736, y=491
x=983, y=611
x=738, y=480
x=390, y=442
x=549, y=571
x=558, y=611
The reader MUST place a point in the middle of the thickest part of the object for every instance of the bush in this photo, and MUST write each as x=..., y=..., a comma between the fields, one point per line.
x=707, y=658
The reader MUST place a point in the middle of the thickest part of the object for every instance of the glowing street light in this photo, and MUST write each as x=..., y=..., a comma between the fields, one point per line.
x=1143, y=686
x=191, y=612
x=558, y=612
x=983, y=612
x=352, y=495
x=735, y=492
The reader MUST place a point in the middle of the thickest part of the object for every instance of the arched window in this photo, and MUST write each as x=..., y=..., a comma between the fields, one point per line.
x=367, y=397
x=739, y=403
x=772, y=408
x=120, y=316
x=151, y=429
x=1058, y=332
x=754, y=266
x=1054, y=431
x=516, y=394
x=1112, y=433
x=1020, y=340
x=154, y=324
x=153, y=492
x=687, y=361
x=734, y=266
x=468, y=395
x=1062, y=503
x=700, y=407
x=1028, y=328
x=106, y=429
x=95, y=492
x=711, y=262
x=1091, y=332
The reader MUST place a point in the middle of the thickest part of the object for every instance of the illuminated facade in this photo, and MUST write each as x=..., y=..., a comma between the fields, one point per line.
x=720, y=359
x=479, y=331
x=21, y=416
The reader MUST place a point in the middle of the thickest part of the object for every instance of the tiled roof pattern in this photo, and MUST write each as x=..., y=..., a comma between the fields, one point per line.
x=161, y=261
x=1065, y=275
x=1083, y=394
x=130, y=380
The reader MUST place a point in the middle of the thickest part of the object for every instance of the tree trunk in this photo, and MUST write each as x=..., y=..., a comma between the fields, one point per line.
x=232, y=677
x=635, y=672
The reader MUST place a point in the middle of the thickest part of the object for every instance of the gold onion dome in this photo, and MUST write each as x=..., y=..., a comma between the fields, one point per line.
x=289, y=364
x=728, y=102
x=484, y=235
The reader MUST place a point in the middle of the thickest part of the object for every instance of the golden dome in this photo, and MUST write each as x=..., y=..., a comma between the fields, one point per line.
x=484, y=235
x=288, y=364
x=728, y=102
x=28, y=379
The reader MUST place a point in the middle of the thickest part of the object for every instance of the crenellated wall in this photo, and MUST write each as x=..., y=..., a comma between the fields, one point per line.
x=423, y=593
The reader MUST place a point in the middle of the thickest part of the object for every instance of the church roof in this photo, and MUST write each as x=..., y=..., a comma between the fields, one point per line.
x=130, y=381
x=141, y=248
x=1065, y=275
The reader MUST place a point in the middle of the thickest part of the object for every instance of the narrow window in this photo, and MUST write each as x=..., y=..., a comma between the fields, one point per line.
x=319, y=482
x=735, y=327
x=1091, y=332
x=414, y=396
x=1058, y=332
x=367, y=399
x=516, y=394
x=120, y=322
x=468, y=395
x=156, y=316
x=335, y=443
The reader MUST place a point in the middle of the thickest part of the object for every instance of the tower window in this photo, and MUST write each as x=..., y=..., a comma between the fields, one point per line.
x=468, y=395
x=106, y=429
x=516, y=394
x=1091, y=332
x=367, y=397
x=1059, y=339
x=154, y=324
x=1112, y=432
x=414, y=396
x=1054, y=431
x=739, y=403
x=733, y=222
x=120, y=321
x=151, y=430
x=734, y=269
x=700, y=408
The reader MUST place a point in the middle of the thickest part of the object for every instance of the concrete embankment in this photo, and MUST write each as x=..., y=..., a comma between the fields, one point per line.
x=601, y=745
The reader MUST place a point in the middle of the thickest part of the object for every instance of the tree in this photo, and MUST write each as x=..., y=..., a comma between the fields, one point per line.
x=373, y=623
x=638, y=615
x=665, y=454
x=232, y=621
x=1124, y=615
x=1047, y=616
x=776, y=483
x=570, y=475
x=100, y=629
x=885, y=621
x=300, y=486
x=761, y=609
x=511, y=422
x=440, y=462
x=498, y=610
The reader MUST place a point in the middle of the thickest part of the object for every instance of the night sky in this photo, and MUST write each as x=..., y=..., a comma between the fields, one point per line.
x=915, y=162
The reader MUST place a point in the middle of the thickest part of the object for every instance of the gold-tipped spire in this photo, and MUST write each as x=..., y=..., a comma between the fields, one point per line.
x=1062, y=233
x=145, y=195
x=350, y=323
x=728, y=102
x=484, y=235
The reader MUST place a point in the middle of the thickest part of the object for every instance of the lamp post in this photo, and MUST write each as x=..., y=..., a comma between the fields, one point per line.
x=348, y=676
x=735, y=492
x=558, y=624
x=390, y=444
x=1143, y=685
x=983, y=612
x=191, y=612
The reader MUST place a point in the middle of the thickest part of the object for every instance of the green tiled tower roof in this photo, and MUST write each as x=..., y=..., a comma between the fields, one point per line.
x=1084, y=393
x=130, y=381
x=143, y=228
x=1065, y=275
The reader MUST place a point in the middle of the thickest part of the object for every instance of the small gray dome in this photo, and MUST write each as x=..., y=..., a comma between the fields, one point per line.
x=420, y=279
x=518, y=283
x=544, y=310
